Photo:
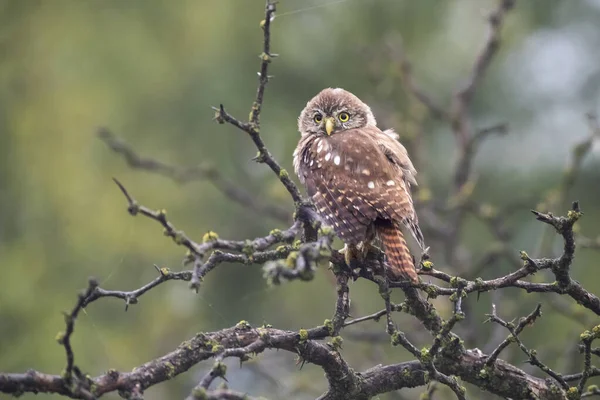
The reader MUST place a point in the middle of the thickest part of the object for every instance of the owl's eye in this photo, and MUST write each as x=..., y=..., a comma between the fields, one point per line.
x=344, y=117
x=318, y=118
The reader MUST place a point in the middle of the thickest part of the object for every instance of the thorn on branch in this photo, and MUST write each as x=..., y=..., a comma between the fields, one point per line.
x=130, y=300
x=133, y=206
x=219, y=114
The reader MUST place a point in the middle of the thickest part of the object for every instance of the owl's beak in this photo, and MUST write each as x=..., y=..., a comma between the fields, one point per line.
x=329, y=125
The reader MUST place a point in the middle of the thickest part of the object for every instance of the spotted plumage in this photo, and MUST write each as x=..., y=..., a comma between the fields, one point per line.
x=358, y=177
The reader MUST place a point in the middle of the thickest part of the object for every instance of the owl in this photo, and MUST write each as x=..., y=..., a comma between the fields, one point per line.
x=359, y=179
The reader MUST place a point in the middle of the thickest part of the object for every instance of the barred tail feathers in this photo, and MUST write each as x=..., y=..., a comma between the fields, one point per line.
x=400, y=264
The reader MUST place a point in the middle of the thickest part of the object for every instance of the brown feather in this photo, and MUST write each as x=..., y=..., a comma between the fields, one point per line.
x=400, y=264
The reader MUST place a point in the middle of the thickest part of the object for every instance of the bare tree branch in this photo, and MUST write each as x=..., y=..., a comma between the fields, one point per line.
x=197, y=173
x=252, y=127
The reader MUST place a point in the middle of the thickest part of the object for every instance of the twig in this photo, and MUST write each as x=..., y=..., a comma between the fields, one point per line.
x=514, y=337
x=490, y=48
x=65, y=338
x=515, y=331
x=425, y=357
x=196, y=173
x=375, y=317
x=428, y=358
x=594, y=350
x=575, y=377
x=446, y=329
x=384, y=292
x=559, y=266
x=253, y=126
x=179, y=237
x=266, y=57
x=461, y=124
x=462, y=127
x=131, y=297
x=469, y=149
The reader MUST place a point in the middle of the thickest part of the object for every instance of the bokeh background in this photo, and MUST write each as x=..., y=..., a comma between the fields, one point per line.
x=150, y=70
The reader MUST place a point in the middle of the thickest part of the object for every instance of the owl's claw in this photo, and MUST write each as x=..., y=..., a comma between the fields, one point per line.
x=370, y=248
x=356, y=255
x=351, y=258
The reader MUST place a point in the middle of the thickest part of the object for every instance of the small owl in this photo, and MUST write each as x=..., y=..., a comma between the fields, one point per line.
x=359, y=178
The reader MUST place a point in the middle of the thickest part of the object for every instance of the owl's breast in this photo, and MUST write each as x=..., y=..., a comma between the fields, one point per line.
x=348, y=155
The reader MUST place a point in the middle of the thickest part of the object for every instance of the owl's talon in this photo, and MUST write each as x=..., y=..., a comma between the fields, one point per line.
x=370, y=248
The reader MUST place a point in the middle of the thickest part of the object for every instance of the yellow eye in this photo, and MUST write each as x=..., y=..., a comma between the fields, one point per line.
x=344, y=117
x=318, y=118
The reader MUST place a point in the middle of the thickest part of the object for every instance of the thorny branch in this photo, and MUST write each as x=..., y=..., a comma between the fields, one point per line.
x=252, y=127
x=446, y=360
x=514, y=336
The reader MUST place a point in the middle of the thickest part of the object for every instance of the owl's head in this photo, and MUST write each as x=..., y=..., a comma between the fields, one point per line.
x=332, y=111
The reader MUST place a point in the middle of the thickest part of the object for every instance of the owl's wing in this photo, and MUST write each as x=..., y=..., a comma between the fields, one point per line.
x=404, y=177
x=397, y=155
x=332, y=191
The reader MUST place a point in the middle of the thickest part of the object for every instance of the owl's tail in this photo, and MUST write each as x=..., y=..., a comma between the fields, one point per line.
x=400, y=264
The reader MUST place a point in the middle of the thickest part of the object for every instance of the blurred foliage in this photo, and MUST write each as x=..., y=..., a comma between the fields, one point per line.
x=150, y=70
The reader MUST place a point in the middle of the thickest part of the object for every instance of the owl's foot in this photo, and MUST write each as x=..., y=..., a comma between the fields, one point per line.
x=354, y=257
x=371, y=249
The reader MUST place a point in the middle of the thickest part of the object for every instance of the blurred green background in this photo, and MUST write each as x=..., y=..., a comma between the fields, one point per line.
x=150, y=70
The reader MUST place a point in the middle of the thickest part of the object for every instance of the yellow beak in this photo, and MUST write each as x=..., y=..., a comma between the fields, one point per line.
x=329, y=125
